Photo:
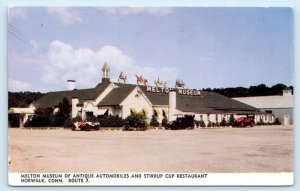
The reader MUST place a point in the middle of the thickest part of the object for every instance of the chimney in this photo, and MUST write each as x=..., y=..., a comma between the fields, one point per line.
x=75, y=101
x=172, y=105
x=71, y=84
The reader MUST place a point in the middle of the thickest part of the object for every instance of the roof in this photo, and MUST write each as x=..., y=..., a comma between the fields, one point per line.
x=211, y=102
x=116, y=96
x=264, y=102
x=105, y=67
x=52, y=99
x=207, y=102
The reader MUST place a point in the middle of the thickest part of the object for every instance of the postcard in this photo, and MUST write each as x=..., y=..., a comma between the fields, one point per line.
x=155, y=96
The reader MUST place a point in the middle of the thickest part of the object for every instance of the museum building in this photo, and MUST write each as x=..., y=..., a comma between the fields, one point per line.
x=122, y=99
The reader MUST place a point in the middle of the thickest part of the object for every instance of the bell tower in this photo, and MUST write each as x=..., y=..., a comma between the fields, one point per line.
x=105, y=73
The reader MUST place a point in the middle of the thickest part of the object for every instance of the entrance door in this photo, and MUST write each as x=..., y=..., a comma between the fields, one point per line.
x=286, y=120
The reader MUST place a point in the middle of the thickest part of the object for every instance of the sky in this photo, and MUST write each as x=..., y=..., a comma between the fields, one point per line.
x=205, y=47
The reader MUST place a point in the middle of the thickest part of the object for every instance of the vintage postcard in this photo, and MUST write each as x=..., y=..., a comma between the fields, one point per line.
x=150, y=96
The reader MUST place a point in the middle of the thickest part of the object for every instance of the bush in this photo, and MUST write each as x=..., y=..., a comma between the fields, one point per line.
x=223, y=122
x=217, y=124
x=14, y=120
x=209, y=124
x=69, y=122
x=154, y=122
x=42, y=118
x=110, y=121
x=164, y=121
x=64, y=110
x=277, y=122
x=202, y=124
x=231, y=120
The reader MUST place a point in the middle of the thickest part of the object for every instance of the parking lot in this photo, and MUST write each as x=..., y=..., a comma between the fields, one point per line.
x=258, y=149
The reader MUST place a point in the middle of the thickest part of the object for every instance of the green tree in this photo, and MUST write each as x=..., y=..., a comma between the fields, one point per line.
x=164, y=121
x=64, y=110
x=223, y=122
x=42, y=118
x=231, y=120
x=154, y=122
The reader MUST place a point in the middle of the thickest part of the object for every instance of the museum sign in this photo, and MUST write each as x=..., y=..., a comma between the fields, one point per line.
x=192, y=92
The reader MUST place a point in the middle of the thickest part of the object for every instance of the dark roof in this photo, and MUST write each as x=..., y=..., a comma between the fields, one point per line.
x=52, y=99
x=207, y=102
x=116, y=96
x=156, y=98
x=210, y=102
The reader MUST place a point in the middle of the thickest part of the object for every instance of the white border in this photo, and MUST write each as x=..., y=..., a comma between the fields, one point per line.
x=153, y=179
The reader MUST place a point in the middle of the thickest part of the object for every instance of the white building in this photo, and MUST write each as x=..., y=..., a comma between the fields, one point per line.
x=280, y=106
x=111, y=98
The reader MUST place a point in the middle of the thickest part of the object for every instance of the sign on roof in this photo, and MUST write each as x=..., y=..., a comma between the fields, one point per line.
x=192, y=92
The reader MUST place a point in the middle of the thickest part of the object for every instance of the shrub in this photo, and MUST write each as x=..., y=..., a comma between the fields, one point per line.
x=64, y=110
x=223, y=122
x=164, y=121
x=110, y=121
x=209, y=124
x=14, y=120
x=277, y=122
x=202, y=124
x=154, y=122
x=231, y=120
x=68, y=123
x=197, y=123
x=42, y=118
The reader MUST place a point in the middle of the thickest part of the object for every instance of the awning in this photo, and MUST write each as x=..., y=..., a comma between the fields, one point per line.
x=102, y=111
x=165, y=111
x=133, y=110
x=145, y=111
x=157, y=111
x=21, y=110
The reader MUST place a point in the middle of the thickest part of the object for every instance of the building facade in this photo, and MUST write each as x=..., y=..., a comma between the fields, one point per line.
x=122, y=99
x=280, y=106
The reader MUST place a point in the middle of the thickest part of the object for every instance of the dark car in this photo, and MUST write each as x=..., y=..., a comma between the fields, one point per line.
x=182, y=122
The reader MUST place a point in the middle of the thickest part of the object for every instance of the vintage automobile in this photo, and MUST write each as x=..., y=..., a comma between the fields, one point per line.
x=182, y=122
x=85, y=126
x=134, y=124
x=244, y=121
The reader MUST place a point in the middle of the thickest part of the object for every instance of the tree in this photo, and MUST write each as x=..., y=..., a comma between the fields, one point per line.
x=42, y=118
x=154, y=122
x=231, y=120
x=164, y=121
x=64, y=110
x=223, y=122
x=22, y=99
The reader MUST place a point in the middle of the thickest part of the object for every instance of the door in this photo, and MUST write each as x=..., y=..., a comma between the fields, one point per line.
x=286, y=120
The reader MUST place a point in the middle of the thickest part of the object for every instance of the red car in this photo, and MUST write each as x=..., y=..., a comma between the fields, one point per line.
x=248, y=120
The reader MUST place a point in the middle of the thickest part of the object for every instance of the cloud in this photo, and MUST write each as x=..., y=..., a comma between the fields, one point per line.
x=85, y=66
x=66, y=15
x=136, y=10
x=15, y=85
x=17, y=13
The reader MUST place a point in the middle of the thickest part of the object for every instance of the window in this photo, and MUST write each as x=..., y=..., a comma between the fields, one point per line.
x=208, y=116
x=201, y=117
x=216, y=117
